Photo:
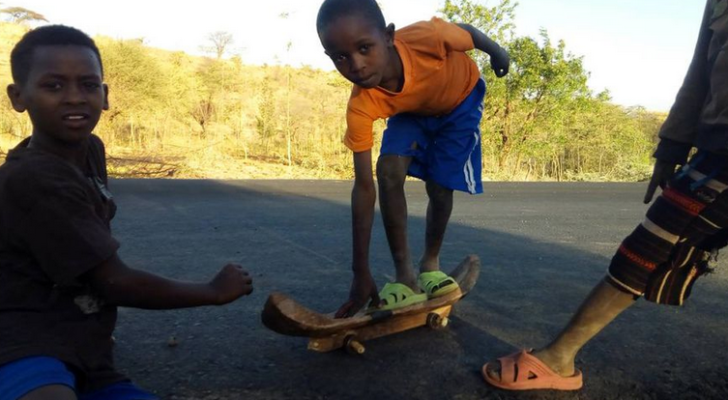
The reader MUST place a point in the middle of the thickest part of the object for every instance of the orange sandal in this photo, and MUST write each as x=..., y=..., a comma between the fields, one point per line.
x=522, y=371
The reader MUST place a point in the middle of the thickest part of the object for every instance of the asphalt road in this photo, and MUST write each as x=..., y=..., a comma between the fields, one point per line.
x=543, y=247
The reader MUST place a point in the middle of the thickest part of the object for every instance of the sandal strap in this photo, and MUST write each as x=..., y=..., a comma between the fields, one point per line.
x=433, y=280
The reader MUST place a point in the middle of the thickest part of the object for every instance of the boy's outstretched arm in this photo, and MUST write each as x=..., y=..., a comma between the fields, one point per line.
x=363, y=197
x=120, y=285
x=499, y=59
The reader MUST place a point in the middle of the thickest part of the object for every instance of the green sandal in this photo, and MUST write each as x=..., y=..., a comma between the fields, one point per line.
x=396, y=295
x=436, y=283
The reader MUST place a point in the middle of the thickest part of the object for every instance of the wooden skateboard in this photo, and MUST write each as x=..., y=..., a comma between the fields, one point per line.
x=284, y=315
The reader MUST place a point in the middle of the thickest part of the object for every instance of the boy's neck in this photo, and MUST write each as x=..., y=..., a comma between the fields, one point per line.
x=74, y=153
x=394, y=77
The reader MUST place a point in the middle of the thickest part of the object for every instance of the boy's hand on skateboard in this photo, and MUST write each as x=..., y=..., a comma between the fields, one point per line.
x=661, y=174
x=500, y=62
x=231, y=283
x=362, y=289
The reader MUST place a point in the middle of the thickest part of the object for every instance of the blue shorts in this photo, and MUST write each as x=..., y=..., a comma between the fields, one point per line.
x=21, y=377
x=447, y=148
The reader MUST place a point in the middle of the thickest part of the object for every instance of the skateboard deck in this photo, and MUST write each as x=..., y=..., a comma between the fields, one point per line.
x=285, y=316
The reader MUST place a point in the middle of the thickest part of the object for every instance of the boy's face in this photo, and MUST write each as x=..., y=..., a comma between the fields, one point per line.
x=360, y=51
x=64, y=94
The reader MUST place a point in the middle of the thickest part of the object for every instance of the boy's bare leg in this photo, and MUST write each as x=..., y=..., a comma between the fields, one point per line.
x=603, y=304
x=439, y=210
x=55, y=392
x=391, y=174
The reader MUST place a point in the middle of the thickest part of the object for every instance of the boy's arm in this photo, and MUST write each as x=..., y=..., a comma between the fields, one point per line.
x=363, y=197
x=679, y=129
x=120, y=285
x=499, y=59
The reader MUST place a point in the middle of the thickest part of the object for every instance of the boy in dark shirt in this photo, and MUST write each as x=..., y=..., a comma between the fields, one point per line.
x=61, y=279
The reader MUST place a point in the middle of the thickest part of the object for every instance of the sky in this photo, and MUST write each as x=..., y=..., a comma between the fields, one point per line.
x=637, y=49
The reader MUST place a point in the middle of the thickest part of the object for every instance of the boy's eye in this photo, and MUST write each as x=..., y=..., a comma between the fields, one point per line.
x=364, y=49
x=52, y=85
x=339, y=58
x=92, y=85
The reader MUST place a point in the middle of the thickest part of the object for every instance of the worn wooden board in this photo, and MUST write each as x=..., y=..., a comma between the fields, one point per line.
x=284, y=315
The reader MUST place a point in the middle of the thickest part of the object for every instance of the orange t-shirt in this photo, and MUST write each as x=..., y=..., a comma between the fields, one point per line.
x=438, y=76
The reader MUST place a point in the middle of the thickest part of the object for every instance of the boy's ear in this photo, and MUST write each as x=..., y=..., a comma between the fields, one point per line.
x=16, y=98
x=389, y=32
x=106, y=96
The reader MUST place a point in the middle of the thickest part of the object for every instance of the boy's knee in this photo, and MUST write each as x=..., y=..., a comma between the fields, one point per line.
x=438, y=193
x=391, y=172
x=56, y=392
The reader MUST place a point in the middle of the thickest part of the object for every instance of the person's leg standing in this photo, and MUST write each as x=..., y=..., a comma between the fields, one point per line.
x=401, y=154
x=660, y=259
x=439, y=209
x=454, y=163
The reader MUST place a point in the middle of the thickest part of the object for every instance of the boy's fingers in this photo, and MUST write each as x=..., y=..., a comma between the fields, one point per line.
x=375, y=299
x=500, y=72
x=651, y=188
x=343, y=311
x=355, y=307
x=348, y=310
x=662, y=173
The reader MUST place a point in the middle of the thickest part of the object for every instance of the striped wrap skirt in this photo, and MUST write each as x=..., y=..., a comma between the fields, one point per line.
x=680, y=236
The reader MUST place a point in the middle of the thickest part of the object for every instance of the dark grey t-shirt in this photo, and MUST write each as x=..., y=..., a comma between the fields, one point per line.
x=699, y=117
x=54, y=228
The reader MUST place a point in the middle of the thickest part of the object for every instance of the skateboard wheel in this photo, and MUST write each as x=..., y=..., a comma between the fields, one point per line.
x=436, y=321
x=353, y=346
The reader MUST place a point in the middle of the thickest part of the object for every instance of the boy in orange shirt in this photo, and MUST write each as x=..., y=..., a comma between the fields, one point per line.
x=422, y=80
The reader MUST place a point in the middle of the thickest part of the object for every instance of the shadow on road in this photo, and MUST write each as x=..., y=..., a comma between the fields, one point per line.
x=295, y=237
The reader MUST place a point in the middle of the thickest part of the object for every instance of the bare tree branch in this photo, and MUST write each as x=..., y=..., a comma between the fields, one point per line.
x=21, y=15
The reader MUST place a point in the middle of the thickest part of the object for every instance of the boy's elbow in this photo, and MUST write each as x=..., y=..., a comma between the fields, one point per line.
x=110, y=280
x=466, y=27
x=474, y=32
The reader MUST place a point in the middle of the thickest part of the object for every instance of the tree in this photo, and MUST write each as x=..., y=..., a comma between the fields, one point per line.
x=264, y=120
x=220, y=41
x=496, y=22
x=20, y=15
x=138, y=88
x=289, y=129
x=524, y=112
x=200, y=114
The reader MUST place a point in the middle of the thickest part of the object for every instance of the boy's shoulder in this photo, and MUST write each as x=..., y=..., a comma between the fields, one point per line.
x=419, y=28
x=424, y=29
x=29, y=175
x=435, y=37
x=25, y=160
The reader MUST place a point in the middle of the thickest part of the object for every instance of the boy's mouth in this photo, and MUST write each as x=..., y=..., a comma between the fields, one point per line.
x=76, y=120
x=75, y=117
x=365, y=82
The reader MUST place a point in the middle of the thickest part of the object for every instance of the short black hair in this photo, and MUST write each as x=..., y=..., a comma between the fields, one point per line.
x=21, y=57
x=332, y=9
